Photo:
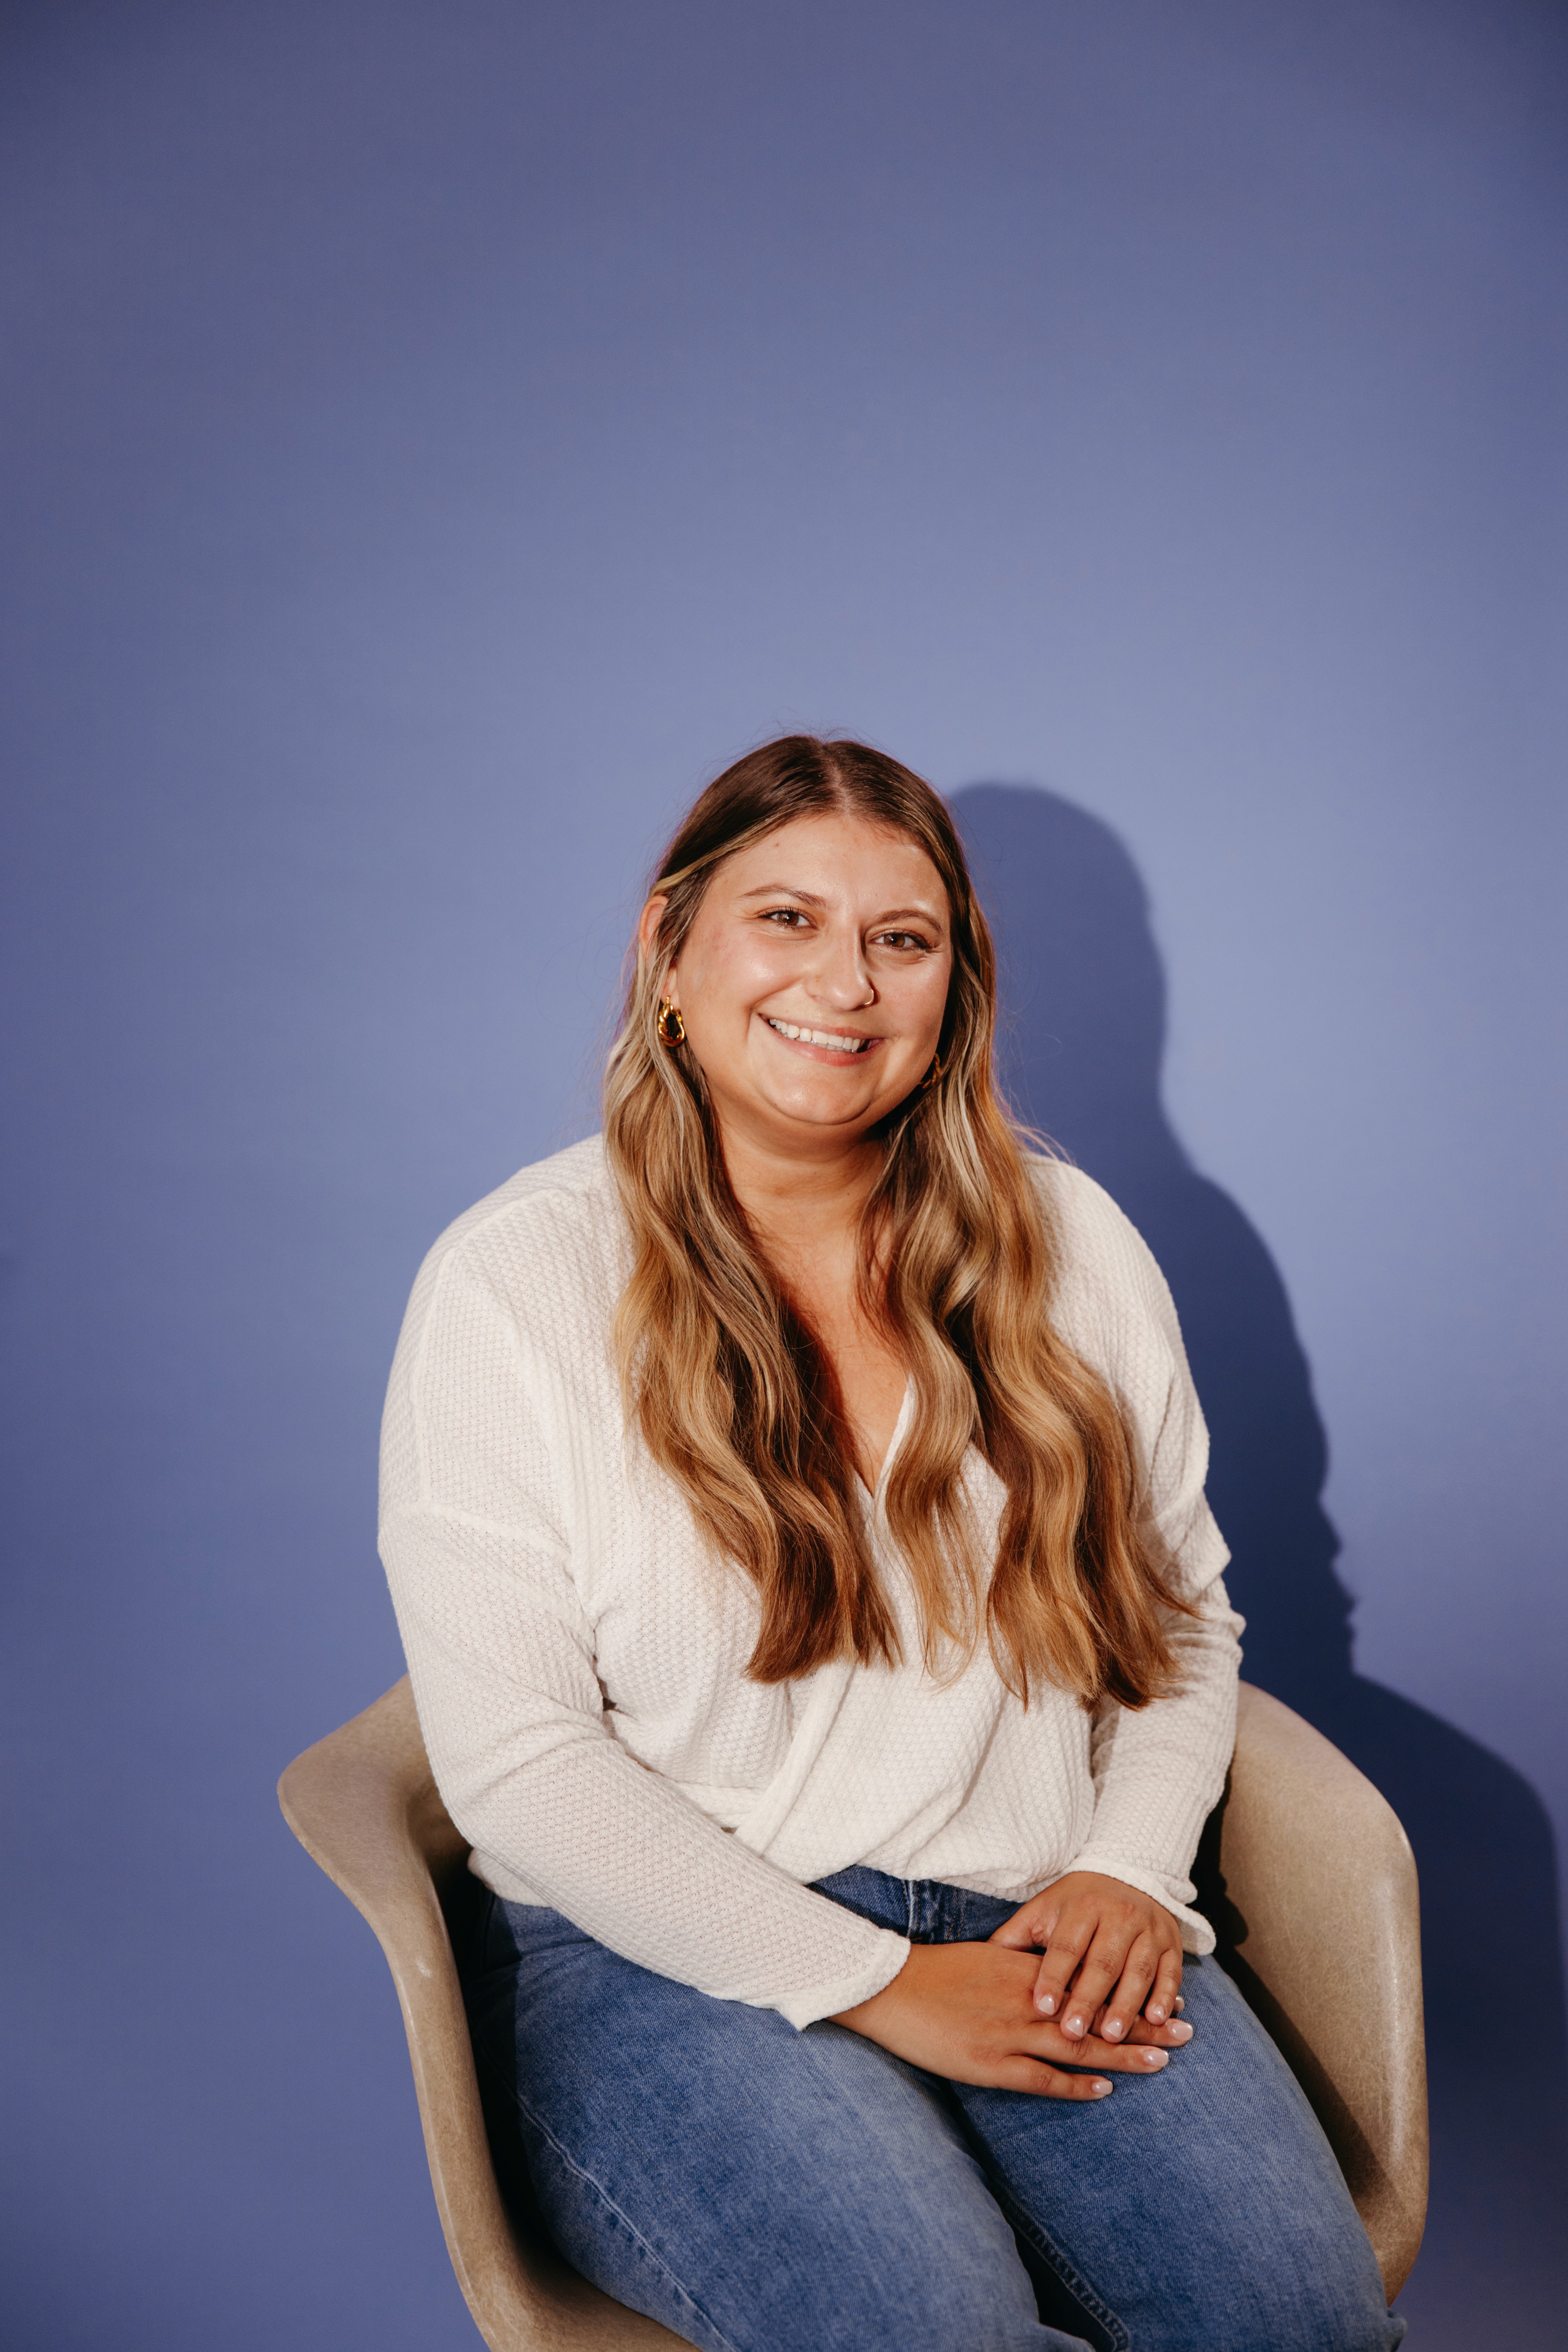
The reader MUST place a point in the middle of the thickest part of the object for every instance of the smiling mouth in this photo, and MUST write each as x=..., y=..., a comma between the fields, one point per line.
x=834, y=1040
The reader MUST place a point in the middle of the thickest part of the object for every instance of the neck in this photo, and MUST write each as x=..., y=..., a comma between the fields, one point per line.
x=801, y=1197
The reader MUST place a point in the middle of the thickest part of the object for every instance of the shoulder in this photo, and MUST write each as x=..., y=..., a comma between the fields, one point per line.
x=571, y=1185
x=1092, y=1236
x=1110, y=1294
x=546, y=1244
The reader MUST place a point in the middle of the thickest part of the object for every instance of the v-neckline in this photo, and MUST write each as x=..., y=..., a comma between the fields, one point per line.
x=874, y=1494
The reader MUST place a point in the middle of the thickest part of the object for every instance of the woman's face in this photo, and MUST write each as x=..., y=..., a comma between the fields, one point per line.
x=813, y=980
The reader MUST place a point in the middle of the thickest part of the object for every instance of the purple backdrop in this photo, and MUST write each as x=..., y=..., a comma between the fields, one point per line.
x=437, y=437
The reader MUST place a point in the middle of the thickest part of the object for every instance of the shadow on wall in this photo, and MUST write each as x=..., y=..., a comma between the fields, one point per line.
x=1083, y=1033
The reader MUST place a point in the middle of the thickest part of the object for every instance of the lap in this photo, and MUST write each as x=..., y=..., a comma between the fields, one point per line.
x=753, y=2186
x=1198, y=2205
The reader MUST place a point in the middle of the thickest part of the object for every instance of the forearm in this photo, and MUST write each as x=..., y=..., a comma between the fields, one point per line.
x=1159, y=1771
x=558, y=1806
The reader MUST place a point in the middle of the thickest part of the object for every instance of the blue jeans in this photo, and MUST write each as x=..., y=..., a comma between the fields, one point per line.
x=759, y=2189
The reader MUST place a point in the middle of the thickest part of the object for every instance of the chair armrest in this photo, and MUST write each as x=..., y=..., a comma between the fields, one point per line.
x=1319, y=1922
x=363, y=1805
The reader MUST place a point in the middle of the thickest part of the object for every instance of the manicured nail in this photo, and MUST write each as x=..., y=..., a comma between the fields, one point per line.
x=1178, y=2002
x=1155, y=2059
x=1073, y=2025
x=1154, y=2013
x=1113, y=2029
x=1100, y=2089
x=1180, y=2030
x=1047, y=2001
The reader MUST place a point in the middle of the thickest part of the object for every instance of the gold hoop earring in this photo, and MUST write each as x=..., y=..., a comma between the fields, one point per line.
x=670, y=1026
x=933, y=1074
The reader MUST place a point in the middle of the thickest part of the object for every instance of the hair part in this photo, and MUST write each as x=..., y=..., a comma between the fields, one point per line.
x=735, y=1398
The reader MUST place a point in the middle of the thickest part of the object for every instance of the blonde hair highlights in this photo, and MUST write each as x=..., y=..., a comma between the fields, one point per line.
x=734, y=1399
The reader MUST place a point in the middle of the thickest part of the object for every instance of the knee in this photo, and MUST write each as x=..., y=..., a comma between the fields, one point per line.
x=1351, y=2313
x=980, y=2319
x=1332, y=2323
x=1331, y=2309
x=893, y=2289
x=1296, y=2286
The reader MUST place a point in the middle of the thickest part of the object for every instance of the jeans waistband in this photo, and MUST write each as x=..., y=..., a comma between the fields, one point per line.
x=926, y=1910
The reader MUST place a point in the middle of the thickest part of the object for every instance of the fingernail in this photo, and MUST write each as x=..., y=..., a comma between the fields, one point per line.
x=1155, y=2059
x=1100, y=2089
x=1113, y=2029
x=1154, y=2013
x=1048, y=2003
x=1180, y=2029
x=1178, y=2002
x=1073, y=2025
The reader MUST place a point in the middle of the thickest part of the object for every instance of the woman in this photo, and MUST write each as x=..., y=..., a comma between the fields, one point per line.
x=794, y=1509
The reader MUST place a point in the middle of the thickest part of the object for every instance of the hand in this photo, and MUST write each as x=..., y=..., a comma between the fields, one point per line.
x=1119, y=1951
x=967, y=2011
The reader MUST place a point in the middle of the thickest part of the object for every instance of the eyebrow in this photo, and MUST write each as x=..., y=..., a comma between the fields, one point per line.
x=783, y=890
x=810, y=899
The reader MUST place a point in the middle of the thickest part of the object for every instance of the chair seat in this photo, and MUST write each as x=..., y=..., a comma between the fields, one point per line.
x=1304, y=1871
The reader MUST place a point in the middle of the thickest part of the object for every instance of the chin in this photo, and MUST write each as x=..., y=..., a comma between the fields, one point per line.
x=824, y=1110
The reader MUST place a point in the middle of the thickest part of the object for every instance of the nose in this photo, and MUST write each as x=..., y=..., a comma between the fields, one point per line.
x=839, y=977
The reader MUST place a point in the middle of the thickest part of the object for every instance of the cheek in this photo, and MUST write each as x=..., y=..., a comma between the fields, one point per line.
x=926, y=1002
x=728, y=976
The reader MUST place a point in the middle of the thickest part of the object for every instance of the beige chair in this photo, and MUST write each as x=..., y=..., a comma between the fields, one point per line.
x=1305, y=1871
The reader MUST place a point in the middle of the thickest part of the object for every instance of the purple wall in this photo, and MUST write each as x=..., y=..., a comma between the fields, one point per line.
x=438, y=436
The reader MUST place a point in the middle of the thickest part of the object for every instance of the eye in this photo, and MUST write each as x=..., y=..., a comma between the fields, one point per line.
x=903, y=941
x=788, y=919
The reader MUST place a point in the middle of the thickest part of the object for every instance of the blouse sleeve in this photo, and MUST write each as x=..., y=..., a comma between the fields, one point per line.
x=1159, y=1770
x=501, y=1657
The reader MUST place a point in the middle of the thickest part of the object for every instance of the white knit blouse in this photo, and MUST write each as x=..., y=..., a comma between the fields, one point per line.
x=578, y=1657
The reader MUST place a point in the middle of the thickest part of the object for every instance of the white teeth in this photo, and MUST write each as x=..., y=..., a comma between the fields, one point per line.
x=827, y=1037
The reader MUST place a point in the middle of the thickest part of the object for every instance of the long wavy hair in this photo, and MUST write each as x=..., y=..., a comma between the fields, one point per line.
x=733, y=1393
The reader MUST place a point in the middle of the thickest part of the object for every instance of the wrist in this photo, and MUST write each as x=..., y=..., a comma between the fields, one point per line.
x=872, y=2015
